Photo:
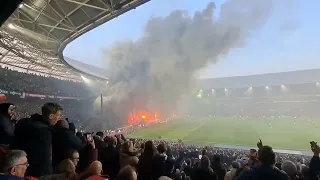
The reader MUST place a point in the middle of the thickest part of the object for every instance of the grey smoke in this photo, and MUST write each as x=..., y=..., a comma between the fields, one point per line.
x=158, y=69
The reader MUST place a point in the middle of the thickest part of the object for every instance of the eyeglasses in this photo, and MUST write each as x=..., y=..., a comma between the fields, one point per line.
x=23, y=164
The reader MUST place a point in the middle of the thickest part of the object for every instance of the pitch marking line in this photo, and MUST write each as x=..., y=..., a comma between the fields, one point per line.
x=197, y=127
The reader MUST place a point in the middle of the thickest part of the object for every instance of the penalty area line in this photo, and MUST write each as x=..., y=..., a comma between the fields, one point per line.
x=197, y=127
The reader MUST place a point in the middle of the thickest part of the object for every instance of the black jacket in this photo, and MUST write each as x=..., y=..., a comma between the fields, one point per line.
x=262, y=172
x=6, y=125
x=204, y=174
x=6, y=130
x=34, y=136
x=63, y=141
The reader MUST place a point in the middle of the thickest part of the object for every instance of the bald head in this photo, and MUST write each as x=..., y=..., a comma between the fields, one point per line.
x=63, y=123
x=95, y=168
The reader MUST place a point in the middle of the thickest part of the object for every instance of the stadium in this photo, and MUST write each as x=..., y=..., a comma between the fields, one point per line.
x=236, y=110
x=69, y=110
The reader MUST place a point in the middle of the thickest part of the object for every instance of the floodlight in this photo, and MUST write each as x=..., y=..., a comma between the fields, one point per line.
x=21, y=5
x=10, y=26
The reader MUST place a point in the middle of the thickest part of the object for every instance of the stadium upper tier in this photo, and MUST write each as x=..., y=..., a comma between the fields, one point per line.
x=262, y=80
x=35, y=35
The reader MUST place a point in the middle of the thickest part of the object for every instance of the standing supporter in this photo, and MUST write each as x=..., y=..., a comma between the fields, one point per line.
x=232, y=173
x=87, y=155
x=266, y=170
x=128, y=155
x=110, y=159
x=315, y=162
x=14, y=165
x=218, y=167
x=6, y=125
x=204, y=171
x=34, y=136
x=162, y=163
x=145, y=161
x=63, y=141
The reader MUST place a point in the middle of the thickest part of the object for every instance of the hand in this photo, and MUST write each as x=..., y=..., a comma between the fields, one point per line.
x=315, y=148
x=259, y=144
x=91, y=143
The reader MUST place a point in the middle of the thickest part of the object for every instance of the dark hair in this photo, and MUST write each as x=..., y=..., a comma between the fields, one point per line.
x=266, y=155
x=126, y=173
x=50, y=108
x=100, y=133
x=149, y=149
x=162, y=148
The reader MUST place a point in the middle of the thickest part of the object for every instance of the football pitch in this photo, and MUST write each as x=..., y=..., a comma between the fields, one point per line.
x=281, y=133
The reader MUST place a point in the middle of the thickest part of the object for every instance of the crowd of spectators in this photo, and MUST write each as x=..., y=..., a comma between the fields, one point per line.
x=45, y=146
x=11, y=80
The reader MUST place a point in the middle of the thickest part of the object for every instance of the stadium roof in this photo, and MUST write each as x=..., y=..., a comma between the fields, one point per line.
x=35, y=35
x=292, y=77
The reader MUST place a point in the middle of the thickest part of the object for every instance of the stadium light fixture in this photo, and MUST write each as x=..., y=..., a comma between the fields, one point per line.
x=317, y=84
x=21, y=5
x=11, y=26
x=225, y=89
x=267, y=88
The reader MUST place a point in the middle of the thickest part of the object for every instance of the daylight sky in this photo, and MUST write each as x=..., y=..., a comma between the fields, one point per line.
x=289, y=41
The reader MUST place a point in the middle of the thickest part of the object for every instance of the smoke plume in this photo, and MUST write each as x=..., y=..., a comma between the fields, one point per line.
x=157, y=69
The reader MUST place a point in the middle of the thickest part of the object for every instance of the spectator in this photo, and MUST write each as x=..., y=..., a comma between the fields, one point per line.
x=63, y=141
x=218, y=167
x=145, y=161
x=232, y=173
x=128, y=155
x=290, y=168
x=162, y=164
x=204, y=171
x=266, y=170
x=110, y=157
x=15, y=163
x=74, y=157
x=34, y=136
x=6, y=125
x=127, y=173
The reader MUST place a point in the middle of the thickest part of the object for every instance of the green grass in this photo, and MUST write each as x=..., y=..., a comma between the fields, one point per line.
x=284, y=133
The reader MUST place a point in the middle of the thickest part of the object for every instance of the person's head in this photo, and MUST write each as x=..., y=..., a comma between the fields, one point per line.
x=235, y=165
x=95, y=168
x=127, y=173
x=216, y=159
x=74, y=157
x=266, y=156
x=289, y=167
x=149, y=148
x=66, y=166
x=100, y=134
x=253, y=153
x=111, y=141
x=51, y=112
x=15, y=163
x=7, y=109
x=164, y=178
x=162, y=148
x=205, y=162
x=63, y=124
x=188, y=162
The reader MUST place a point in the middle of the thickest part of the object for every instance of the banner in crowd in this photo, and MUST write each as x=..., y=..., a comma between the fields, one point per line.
x=31, y=95
x=26, y=95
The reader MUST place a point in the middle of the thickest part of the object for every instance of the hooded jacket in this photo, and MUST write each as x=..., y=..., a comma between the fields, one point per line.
x=34, y=136
x=6, y=126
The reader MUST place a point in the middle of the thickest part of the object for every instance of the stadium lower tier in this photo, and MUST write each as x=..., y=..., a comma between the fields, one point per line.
x=280, y=133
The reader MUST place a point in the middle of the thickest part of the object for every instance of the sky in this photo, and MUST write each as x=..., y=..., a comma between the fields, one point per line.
x=289, y=41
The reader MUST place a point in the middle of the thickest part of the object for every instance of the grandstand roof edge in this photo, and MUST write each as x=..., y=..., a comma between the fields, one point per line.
x=88, y=28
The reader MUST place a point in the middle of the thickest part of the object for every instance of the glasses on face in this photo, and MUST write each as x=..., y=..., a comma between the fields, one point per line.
x=23, y=164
